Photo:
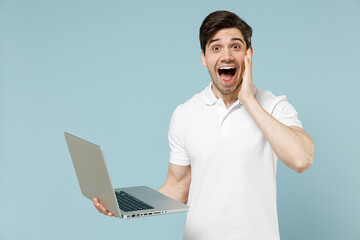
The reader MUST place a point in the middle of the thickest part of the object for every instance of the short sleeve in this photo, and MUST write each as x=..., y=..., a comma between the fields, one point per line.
x=178, y=154
x=283, y=111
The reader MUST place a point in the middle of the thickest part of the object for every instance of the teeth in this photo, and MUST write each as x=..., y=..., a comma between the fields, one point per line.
x=226, y=68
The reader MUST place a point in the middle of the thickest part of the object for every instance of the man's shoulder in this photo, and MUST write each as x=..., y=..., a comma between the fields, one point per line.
x=266, y=98
x=263, y=95
x=185, y=113
x=191, y=105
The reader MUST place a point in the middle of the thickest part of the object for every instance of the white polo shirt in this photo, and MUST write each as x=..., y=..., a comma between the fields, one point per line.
x=233, y=167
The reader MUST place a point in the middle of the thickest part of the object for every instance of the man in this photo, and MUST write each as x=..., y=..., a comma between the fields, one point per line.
x=225, y=142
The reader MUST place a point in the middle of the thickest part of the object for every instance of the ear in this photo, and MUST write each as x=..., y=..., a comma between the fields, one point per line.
x=203, y=58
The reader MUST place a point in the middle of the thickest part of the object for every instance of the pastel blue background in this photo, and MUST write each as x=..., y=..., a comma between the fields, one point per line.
x=112, y=72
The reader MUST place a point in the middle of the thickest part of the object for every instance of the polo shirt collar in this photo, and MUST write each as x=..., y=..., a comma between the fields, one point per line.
x=210, y=98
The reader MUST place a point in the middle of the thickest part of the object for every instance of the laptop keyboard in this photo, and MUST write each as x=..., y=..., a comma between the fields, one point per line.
x=128, y=203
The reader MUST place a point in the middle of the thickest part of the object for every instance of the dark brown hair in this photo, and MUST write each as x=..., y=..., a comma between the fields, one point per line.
x=218, y=20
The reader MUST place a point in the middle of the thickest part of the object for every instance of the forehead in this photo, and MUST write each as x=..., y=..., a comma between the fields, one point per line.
x=227, y=34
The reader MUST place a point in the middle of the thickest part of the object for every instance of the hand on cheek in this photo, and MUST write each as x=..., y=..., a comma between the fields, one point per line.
x=247, y=89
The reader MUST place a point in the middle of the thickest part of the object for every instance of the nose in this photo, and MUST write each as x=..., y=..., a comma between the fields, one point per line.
x=227, y=55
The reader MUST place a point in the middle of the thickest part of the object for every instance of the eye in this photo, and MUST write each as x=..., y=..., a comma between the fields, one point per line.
x=215, y=48
x=236, y=46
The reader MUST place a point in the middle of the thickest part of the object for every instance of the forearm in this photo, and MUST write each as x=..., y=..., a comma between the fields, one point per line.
x=291, y=145
x=175, y=191
x=177, y=183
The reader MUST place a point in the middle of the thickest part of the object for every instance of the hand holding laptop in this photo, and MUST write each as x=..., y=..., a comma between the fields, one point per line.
x=101, y=208
x=95, y=184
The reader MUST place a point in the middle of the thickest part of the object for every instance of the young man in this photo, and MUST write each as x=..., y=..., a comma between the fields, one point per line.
x=225, y=142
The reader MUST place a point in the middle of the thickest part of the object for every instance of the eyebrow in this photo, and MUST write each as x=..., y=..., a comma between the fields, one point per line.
x=233, y=39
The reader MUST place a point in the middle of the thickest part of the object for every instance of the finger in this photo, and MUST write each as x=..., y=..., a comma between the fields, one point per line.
x=247, y=63
x=97, y=205
x=249, y=58
x=249, y=55
x=100, y=207
x=250, y=51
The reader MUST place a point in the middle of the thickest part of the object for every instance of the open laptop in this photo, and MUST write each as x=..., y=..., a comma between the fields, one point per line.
x=94, y=180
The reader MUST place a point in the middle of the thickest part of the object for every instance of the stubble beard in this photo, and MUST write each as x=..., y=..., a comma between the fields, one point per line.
x=225, y=91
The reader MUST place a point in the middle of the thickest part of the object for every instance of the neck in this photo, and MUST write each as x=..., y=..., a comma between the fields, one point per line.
x=228, y=99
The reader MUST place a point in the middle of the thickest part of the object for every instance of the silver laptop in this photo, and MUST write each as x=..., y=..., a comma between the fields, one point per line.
x=94, y=180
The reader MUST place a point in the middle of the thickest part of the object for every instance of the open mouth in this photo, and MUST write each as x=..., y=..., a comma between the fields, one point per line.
x=227, y=73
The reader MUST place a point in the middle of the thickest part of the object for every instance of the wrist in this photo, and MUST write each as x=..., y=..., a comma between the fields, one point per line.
x=248, y=102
